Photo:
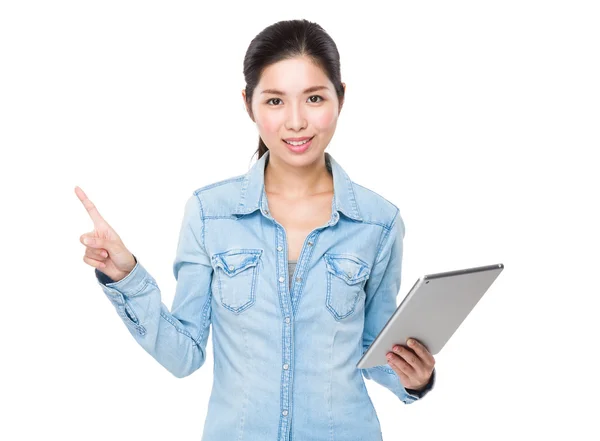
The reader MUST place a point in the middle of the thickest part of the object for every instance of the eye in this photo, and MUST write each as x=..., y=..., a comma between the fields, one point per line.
x=311, y=99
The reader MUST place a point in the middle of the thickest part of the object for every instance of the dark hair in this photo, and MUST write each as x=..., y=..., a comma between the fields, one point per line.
x=289, y=39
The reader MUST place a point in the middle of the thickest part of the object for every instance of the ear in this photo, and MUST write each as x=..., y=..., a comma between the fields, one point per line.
x=343, y=99
x=248, y=109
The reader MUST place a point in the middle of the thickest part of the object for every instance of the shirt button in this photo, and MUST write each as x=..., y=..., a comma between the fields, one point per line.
x=281, y=279
x=298, y=279
x=286, y=366
x=231, y=267
x=279, y=248
x=310, y=244
x=287, y=319
x=284, y=413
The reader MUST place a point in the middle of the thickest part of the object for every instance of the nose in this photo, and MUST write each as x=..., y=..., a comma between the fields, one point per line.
x=295, y=118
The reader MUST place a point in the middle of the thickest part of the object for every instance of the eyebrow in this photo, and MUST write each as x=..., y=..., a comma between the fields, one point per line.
x=309, y=90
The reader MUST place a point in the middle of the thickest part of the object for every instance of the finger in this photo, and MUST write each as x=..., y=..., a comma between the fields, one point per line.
x=94, y=242
x=98, y=254
x=405, y=379
x=421, y=351
x=401, y=364
x=93, y=262
x=90, y=207
x=410, y=357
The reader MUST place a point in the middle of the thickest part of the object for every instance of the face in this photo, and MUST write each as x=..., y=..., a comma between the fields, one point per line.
x=294, y=101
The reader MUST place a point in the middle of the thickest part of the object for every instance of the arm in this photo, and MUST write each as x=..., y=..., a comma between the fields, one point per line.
x=381, y=289
x=176, y=339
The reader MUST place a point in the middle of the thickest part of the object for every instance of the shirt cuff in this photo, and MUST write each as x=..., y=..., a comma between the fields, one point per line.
x=124, y=285
x=421, y=393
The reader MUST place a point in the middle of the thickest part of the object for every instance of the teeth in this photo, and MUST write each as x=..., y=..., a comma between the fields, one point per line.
x=298, y=143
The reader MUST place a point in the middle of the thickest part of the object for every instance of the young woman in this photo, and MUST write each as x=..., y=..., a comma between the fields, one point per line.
x=296, y=267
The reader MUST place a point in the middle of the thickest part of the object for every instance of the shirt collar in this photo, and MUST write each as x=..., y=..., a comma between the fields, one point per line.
x=253, y=196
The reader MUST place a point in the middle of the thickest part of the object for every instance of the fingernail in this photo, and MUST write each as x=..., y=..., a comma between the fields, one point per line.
x=411, y=342
x=86, y=241
x=389, y=356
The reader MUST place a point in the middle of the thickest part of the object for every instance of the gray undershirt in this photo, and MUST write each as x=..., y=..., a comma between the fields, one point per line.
x=291, y=269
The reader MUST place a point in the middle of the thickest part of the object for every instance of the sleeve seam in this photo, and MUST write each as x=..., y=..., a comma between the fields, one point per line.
x=386, y=236
x=202, y=223
x=204, y=316
x=181, y=331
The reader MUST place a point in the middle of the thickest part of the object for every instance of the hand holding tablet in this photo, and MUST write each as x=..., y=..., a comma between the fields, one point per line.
x=431, y=312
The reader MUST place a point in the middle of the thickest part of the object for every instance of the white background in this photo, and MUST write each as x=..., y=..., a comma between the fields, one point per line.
x=480, y=120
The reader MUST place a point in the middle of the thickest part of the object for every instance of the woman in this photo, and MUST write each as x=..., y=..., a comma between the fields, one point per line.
x=296, y=267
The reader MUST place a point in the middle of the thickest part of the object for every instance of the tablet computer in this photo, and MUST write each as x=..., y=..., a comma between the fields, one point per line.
x=432, y=311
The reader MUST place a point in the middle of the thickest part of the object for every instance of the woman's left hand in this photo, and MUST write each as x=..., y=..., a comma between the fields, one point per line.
x=413, y=364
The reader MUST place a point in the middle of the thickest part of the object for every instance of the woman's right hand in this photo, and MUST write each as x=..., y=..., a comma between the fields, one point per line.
x=103, y=246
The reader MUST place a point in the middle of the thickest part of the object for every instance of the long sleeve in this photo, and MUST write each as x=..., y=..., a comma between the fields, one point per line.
x=382, y=289
x=176, y=339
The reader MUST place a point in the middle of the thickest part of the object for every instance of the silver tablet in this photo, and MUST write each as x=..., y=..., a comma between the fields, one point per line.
x=432, y=311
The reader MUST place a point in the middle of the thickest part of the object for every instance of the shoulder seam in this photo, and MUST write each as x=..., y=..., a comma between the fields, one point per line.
x=202, y=222
x=219, y=183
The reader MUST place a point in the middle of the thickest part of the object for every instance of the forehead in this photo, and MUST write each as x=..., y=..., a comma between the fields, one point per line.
x=293, y=75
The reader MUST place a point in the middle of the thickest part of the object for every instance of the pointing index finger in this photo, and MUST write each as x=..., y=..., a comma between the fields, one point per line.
x=90, y=207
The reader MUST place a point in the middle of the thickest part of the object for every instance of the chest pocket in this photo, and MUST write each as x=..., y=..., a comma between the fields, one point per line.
x=236, y=275
x=346, y=276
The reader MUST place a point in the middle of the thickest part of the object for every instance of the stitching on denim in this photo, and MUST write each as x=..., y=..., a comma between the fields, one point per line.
x=178, y=329
x=247, y=357
x=331, y=267
x=296, y=299
x=230, y=217
x=145, y=283
x=218, y=183
x=385, y=236
x=353, y=201
x=202, y=222
x=204, y=315
x=252, y=264
x=335, y=313
x=329, y=389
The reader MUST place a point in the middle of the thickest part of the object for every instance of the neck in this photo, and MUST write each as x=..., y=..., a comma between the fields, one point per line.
x=295, y=182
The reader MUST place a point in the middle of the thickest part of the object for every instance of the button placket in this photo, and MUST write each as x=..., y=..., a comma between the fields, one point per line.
x=287, y=349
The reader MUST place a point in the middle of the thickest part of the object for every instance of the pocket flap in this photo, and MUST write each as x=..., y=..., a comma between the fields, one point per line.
x=347, y=267
x=236, y=260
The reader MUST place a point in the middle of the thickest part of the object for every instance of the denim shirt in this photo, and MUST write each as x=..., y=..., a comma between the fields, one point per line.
x=285, y=351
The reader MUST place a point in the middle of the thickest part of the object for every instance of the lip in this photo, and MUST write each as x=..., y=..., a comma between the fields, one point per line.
x=297, y=139
x=300, y=148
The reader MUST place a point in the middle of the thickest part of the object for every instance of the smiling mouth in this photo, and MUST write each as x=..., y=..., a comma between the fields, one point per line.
x=298, y=143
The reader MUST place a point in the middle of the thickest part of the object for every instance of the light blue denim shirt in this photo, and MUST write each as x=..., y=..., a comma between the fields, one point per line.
x=285, y=352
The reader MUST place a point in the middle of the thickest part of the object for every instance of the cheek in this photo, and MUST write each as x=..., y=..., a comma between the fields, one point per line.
x=325, y=120
x=268, y=123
